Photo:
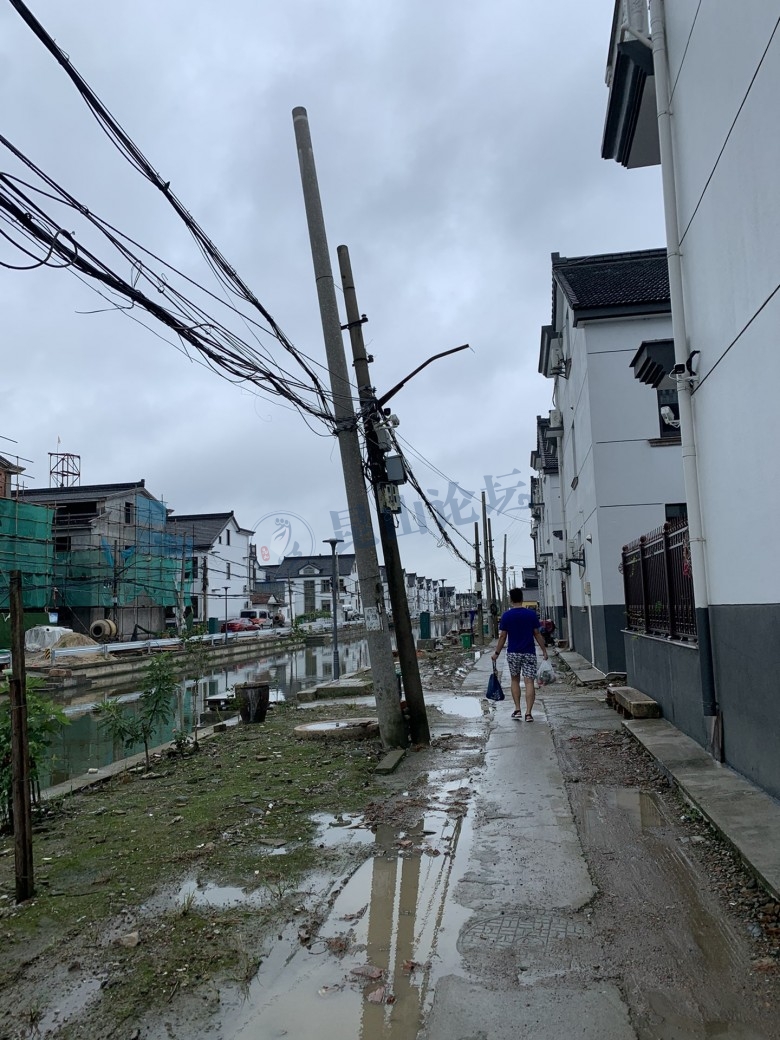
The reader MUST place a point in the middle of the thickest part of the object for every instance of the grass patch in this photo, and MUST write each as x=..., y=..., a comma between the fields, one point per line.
x=214, y=815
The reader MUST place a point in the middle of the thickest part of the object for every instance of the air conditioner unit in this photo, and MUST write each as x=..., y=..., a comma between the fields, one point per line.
x=556, y=358
x=571, y=548
x=556, y=419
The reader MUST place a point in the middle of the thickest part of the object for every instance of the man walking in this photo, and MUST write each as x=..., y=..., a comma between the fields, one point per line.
x=521, y=626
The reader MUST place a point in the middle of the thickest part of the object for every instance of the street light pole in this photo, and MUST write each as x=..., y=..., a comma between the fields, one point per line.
x=226, y=587
x=444, y=606
x=333, y=542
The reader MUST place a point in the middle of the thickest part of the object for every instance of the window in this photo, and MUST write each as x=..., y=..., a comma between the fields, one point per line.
x=227, y=571
x=195, y=610
x=668, y=413
x=227, y=537
x=676, y=510
x=62, y=543
x=325, y=585
x=194, y=567
x=129, y=513
x=325, y=606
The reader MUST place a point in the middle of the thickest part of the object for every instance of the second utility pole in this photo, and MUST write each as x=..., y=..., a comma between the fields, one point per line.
x=391, y=722
x=404, y=637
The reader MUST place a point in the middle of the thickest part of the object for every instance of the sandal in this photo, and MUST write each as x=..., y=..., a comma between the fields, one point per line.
x=517, y=714
x=529, y=717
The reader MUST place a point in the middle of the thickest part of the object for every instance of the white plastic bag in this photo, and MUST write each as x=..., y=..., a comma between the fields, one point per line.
x=545, y=673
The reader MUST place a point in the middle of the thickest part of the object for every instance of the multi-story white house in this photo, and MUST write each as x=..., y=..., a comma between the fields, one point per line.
x=309, y=583
x=695, y=86
x=223, y=564
x=547, y=526
x=619, y=465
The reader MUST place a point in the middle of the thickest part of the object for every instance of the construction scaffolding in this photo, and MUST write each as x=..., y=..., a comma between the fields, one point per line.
x=26, y=545
x=94, y=553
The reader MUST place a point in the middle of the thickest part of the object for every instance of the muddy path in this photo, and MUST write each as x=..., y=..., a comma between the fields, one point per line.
x=685, y=930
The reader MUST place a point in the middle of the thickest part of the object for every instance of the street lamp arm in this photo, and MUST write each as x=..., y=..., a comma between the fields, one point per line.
x=445, y=353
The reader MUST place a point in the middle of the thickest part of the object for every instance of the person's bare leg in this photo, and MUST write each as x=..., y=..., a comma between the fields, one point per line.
x=530, y=696
x=516, y=692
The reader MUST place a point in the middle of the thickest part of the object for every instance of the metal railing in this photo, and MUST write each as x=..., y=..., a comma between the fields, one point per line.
x=658, y=583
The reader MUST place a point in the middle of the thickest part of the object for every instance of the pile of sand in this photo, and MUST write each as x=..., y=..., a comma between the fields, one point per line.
x=73, y=639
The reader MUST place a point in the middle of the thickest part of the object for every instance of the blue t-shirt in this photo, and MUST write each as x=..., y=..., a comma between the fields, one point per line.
x=519, y=624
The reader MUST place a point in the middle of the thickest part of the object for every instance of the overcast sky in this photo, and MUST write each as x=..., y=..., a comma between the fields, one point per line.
x=457, y=146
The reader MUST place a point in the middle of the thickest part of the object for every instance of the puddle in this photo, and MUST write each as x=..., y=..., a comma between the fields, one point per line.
x=207, y=894
x=341, y=830
x=468, y=707
x=68, y=1005
x=393, y=914
x=640, y=807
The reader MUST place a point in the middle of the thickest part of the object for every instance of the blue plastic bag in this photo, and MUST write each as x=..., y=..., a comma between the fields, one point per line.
x=494, y=691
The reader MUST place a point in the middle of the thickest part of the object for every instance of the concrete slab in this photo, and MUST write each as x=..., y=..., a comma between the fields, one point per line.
x=583, y=669
x=463, y=1011
x=636, y=705
x=390, y=762
x=748, y=818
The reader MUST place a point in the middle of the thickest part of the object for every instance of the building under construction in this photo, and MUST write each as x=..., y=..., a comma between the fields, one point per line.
x=114, y=557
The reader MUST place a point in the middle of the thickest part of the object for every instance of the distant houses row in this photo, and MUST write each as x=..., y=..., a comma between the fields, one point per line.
x=92, y=552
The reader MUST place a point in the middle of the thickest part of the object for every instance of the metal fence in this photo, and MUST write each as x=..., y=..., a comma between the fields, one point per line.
x=658, y=583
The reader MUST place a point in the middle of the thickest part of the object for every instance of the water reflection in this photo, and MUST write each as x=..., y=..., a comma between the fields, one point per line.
x=83, y=745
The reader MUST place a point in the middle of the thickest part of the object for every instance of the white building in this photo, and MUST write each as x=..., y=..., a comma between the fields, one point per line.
x=223, y=564
x=619, y=466
x=547, y=525
x=309, y=584
x=713, y=74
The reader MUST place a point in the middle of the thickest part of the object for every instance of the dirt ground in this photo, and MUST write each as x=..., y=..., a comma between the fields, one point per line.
x=157, y=892
x=689, y=934
x=172, y=904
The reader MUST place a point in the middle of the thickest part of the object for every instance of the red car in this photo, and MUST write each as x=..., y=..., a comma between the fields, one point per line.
x=238, y=624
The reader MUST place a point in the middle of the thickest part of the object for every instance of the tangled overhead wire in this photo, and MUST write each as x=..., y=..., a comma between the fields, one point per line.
x=220, y=348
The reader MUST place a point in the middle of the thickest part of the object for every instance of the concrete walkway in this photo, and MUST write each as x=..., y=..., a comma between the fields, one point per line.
x=530, y=962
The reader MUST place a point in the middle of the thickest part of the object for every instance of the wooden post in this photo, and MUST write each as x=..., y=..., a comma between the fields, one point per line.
x=20, y=753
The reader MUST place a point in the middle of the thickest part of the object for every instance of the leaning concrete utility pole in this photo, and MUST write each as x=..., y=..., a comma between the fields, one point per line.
x=404, y=637
x=391, y=723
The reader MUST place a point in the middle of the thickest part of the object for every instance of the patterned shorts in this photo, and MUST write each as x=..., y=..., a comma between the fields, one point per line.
x=522, y=664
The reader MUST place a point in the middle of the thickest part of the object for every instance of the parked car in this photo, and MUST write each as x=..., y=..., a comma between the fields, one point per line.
x=260, y=618
x=237, y=625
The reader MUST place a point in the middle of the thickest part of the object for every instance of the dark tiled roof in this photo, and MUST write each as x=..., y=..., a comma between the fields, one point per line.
x=205, y=528
x=613, y=283
x=291, y=566
x=88, y=492
x=10, y=467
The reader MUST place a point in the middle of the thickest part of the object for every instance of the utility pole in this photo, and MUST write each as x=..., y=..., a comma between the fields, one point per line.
x=504, y=603
x=478, y=585
x=205, y=617
x=488, y=568
x=20, y=751
x=404, y=637
x=493, y=579
x=391, y=723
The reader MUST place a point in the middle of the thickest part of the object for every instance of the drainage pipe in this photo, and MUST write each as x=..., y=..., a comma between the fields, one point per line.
x=684, y=382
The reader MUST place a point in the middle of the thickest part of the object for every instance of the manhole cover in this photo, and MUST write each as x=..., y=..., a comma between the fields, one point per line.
x=507, y=930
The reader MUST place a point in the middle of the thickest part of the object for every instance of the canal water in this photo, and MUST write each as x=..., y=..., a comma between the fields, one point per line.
x=84, y=744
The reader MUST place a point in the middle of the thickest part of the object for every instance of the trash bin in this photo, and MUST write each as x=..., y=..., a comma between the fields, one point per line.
x=466, y=640
x=213, y=626
x=252, y=700
x=425, y=624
